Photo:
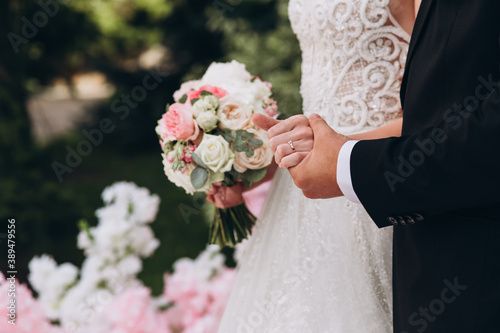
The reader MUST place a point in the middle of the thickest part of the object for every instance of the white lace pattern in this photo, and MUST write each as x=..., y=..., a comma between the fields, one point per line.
x=322, y=266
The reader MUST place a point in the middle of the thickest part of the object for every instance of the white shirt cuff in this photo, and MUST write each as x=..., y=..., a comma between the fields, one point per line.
x=344, y=179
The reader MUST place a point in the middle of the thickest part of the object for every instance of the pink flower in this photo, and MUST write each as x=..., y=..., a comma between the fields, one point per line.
x=271, y=107
x=198, y=303
x=134, y=311
x=30, y=317
x=178, y=124
x=219, y=92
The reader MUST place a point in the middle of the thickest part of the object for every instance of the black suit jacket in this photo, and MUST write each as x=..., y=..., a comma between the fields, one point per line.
x=439, y=184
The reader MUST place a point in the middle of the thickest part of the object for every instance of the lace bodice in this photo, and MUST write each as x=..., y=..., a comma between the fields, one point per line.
x=353, y=56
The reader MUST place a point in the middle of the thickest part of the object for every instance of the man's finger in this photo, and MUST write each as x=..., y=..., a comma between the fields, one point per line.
x=264, y=122
x=318, y=126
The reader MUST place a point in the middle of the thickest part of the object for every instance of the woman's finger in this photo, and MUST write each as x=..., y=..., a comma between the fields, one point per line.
x=301, y=146
x=303, y=133
x=292, y=160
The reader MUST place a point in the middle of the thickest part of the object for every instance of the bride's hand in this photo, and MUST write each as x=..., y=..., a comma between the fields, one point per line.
x=291, y=140
x=226, y=197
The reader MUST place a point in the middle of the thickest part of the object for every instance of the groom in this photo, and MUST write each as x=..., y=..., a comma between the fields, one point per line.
x=439, y=184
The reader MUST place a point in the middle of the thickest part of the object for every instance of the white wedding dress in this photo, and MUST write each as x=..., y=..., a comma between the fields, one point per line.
x=315, y=266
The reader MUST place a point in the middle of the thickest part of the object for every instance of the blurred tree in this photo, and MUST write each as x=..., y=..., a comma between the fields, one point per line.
x=41, y=208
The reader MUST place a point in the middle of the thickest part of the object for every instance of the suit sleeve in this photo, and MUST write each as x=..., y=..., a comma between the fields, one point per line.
x=453, y=165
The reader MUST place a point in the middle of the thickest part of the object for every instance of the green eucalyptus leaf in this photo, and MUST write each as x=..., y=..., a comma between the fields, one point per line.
x=199, y=177
x=254, y=176
x=250, y=152
x=205, y=93
x=183, y=99
x=240, y=145
x=247, y=135
x=247, y=183
x=256, y=143
x=198, y=161
x=194, y=100
x=228, y=135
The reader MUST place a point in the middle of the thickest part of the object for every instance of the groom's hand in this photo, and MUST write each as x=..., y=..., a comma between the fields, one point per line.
x=316, y=175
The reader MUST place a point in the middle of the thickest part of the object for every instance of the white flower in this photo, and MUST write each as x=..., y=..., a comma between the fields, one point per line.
x=204, y=104
x=127, y=201
x=207, y=121
x=64, y=276
x=215, y=152
x=83, y=240
x=261, y=158
x=129, y=266
x=220, y=74
x=261, y=90
x=51, y=282
x=143, y=241
x=41, y=268
x=234, y=114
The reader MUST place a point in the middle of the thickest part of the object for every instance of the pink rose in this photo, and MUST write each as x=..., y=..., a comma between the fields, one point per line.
x=219, y=92
x=178, y=124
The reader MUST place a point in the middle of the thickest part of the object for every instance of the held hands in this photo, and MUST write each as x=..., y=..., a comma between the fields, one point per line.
x=313, y=164
x=224, y=197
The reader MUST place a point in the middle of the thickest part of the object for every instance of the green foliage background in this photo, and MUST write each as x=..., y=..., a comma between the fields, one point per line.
x=107, y=36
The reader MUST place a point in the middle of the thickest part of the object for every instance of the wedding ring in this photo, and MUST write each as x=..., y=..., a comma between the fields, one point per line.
x=290, y=143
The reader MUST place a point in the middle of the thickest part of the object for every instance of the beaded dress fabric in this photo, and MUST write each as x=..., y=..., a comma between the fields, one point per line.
x=315, y=266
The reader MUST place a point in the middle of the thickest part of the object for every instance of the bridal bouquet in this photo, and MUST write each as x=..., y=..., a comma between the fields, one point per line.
x=207, y=136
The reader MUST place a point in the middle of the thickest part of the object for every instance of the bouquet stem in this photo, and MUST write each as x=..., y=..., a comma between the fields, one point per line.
x=230, y=226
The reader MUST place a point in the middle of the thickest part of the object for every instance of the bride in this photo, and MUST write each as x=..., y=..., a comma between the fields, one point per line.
x=322, y=265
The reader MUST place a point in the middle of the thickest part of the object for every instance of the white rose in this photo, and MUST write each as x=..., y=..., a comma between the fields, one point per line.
x=222, y=73
x=207, y=121
x=234, y=114
x=204, y=104
x=261, y=158
x=178, y=178
x=183, y=180
x=214, y=151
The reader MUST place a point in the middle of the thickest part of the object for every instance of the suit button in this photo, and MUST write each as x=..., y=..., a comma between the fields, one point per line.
x=401, y=220
x=392, y=220
x=418, y=217
x=410, y=219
